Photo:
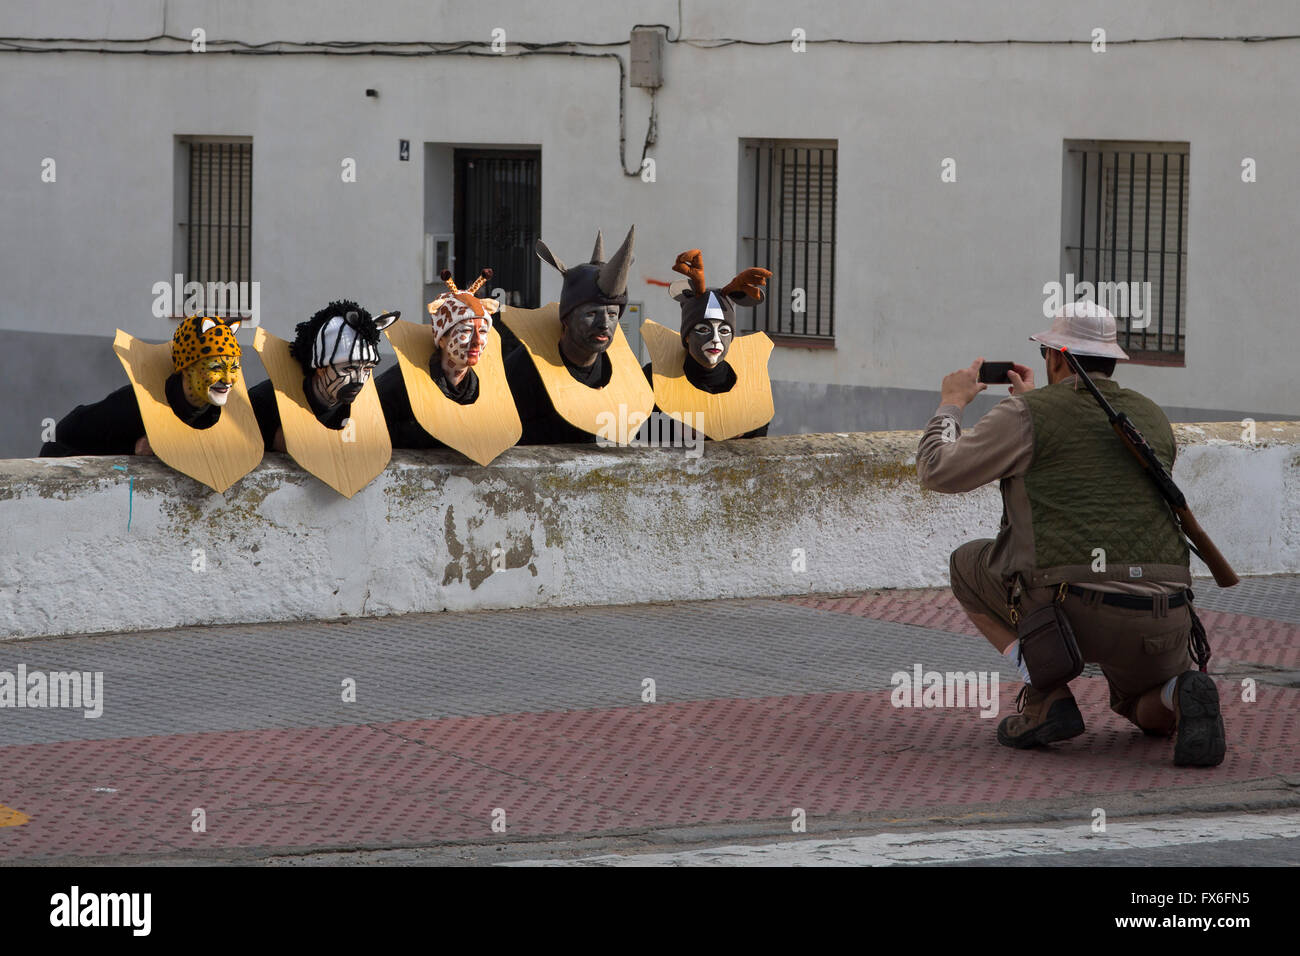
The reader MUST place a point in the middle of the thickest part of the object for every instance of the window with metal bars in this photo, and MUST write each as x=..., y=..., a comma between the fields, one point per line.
x=217, y=212
x=1124, y=227
x=787, y=225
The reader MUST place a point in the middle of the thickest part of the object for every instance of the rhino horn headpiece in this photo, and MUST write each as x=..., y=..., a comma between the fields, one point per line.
x=595, y=281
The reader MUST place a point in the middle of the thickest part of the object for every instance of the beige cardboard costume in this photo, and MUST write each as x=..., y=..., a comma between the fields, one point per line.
x=575, y=370
x=203, y=350
x=744, y=408
x=343, y=353
x=704, y=375
x=463, y=336
x=538, y=331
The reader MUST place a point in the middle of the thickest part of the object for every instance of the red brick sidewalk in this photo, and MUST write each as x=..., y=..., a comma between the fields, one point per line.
x=611, y=770
x=584, y=772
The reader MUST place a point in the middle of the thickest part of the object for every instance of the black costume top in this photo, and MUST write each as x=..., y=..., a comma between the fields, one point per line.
x=262, y=397
x=542, y=424
x=721, y=378
x=403, y=430
x=113, y=426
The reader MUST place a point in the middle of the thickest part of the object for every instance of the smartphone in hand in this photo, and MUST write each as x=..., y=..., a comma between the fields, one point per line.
x=995, y=373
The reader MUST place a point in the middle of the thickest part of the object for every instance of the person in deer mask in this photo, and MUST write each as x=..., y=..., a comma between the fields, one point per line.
x=577, y=341
x=205, y=368
x=338, y=349
x=462, y=326
x=692, y=377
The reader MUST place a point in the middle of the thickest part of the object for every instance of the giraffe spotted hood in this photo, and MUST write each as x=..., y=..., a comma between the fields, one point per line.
x=460, y=305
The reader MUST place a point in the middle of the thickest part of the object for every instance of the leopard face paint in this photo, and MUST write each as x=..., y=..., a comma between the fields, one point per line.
x=210, y=380
x=709, y=340
x=340, y=383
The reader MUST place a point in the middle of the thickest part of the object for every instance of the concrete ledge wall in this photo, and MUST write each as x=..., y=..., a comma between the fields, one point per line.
x=568, y=527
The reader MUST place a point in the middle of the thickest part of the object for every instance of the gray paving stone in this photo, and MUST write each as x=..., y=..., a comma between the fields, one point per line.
x=444, y=665
x=1276, y=597
x=245, y=677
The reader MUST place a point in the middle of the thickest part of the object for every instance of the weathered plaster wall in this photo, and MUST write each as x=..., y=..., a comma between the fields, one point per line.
x=569, y=527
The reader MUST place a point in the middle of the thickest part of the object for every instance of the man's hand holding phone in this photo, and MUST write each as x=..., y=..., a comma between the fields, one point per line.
x=960, y=387
x=1021, y=379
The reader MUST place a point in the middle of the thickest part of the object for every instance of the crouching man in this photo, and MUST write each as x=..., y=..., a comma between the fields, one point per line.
x=1082, y=524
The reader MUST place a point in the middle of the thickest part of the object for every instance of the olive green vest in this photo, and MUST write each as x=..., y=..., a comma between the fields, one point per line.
x=1086, y=491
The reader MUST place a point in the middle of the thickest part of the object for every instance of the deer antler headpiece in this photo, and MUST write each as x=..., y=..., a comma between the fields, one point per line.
x=698, y=301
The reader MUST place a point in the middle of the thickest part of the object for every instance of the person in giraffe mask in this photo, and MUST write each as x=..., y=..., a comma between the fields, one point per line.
x=205, y=367
x=338, y=349
x=461, y=323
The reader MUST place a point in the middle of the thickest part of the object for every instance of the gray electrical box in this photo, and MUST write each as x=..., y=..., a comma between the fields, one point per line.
x=647, y=58
x=631, y=324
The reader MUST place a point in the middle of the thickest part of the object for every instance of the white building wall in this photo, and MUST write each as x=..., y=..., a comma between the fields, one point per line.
x=929, y=275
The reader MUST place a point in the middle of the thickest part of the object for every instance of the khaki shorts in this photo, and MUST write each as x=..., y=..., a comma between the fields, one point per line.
x=1137, y=650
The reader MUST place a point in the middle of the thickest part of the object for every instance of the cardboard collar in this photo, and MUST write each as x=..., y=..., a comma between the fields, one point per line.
x=747, y=406
x=480, y=431
x=539, y=331
x=218, y=456
x=346, y=459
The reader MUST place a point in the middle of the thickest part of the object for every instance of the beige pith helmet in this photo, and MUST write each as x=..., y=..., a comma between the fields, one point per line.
x=1085, y=328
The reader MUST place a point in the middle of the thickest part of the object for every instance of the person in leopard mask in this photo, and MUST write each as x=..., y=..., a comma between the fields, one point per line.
x=205, y=368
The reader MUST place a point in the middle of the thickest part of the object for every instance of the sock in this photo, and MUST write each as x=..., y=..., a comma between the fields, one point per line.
x=1012, y=652
x=1167, y=693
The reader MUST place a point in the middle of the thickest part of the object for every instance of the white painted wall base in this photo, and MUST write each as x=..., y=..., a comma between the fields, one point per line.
x=569, y=527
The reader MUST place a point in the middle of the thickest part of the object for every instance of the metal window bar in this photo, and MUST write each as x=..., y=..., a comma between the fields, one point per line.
x=1108, y=216
x=1146, y=245
x=785, y=236
x=220, y=214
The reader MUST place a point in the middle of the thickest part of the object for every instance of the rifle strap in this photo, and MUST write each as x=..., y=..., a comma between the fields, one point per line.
x=1198, y=642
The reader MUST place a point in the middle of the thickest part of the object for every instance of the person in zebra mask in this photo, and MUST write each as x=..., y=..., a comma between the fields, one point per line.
x=338, y=349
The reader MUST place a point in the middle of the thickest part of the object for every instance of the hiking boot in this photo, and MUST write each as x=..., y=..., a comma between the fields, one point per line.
x=1200, y=741
x=1041, y=719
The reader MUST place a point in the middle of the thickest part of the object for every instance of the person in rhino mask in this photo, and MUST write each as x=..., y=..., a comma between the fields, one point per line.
x=592, y=301
x=1071, y=491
